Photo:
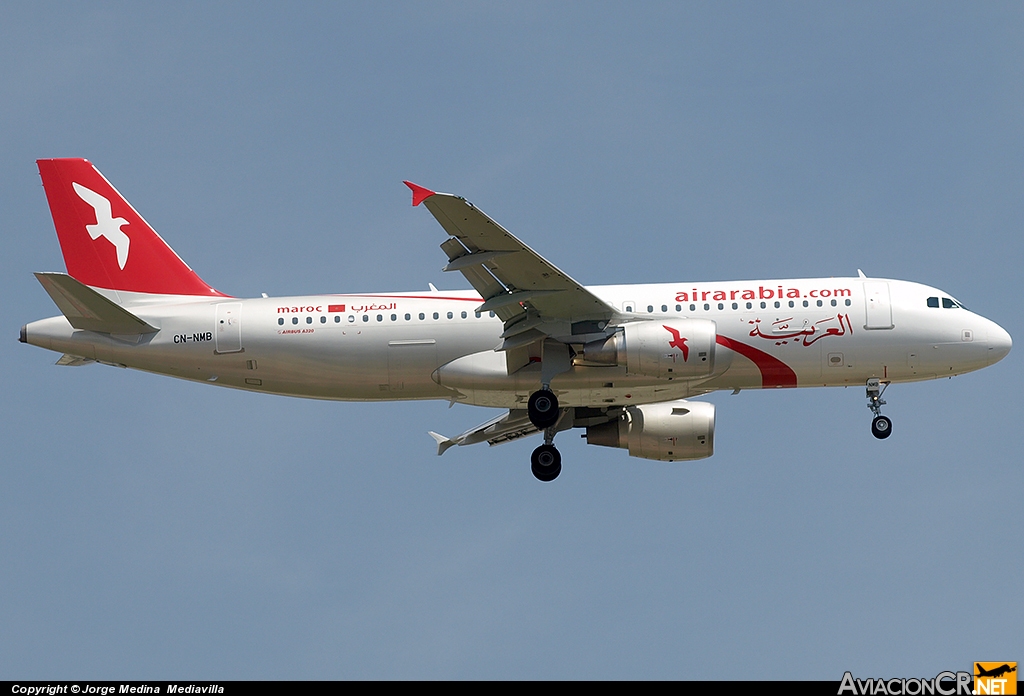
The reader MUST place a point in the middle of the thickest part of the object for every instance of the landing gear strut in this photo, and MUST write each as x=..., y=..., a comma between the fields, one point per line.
x=546, y=462
x=881, y=427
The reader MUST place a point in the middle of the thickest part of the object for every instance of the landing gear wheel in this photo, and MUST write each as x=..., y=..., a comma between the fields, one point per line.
x=543, y=409
x=546, y=463
x=881, y=427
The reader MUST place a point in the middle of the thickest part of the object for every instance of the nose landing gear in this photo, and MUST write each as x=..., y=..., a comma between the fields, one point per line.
x=881, y=426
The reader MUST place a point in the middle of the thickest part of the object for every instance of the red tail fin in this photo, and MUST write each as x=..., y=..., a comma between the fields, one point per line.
x=107, y=244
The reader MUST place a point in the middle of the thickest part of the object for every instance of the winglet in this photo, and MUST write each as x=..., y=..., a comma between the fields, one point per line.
x=419, y=194
x=443, y=443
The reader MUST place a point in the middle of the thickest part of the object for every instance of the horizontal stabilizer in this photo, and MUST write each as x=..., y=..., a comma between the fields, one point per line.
x=88, y=310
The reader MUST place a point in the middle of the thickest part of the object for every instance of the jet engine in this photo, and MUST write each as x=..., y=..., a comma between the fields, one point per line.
x=669, y=431
x=669, y=349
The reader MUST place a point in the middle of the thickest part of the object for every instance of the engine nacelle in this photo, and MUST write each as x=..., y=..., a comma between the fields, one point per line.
x=669, y=431
x=668, y=349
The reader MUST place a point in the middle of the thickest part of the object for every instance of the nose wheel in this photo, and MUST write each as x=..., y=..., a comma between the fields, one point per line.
x=881, y=426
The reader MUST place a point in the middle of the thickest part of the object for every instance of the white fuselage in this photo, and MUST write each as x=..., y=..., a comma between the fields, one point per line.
x=777, y=333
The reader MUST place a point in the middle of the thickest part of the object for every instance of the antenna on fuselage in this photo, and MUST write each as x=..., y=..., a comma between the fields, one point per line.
x=860, y=274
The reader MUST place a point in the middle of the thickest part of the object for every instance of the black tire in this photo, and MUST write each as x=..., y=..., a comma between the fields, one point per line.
x=881, y=427
x=543, y=408
x=546, y=463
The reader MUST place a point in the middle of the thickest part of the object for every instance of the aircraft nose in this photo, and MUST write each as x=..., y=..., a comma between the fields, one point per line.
x=999, y=343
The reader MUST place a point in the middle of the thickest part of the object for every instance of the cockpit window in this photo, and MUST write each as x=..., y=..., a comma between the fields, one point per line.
x=933, y=302
x=948, y=303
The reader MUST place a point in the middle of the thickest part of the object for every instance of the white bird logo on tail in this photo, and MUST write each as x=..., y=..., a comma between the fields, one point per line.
x=106, y=224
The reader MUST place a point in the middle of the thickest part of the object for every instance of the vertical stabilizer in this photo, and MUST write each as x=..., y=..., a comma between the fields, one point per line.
x=106, y=243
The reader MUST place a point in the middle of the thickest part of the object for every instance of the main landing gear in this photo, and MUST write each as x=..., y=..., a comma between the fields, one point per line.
x=545, y=462
x=881, y=426
x=543, y=408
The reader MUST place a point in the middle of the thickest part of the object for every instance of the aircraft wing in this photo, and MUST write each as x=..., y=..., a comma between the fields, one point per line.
x=518, y=284
x=507, y=427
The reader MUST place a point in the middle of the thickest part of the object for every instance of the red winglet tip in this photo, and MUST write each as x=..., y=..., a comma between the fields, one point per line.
x=419, y=194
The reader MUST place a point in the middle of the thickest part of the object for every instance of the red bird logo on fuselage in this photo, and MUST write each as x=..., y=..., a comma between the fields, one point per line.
x=678, y=342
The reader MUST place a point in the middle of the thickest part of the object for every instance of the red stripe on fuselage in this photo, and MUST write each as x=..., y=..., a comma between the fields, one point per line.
x=774, y=372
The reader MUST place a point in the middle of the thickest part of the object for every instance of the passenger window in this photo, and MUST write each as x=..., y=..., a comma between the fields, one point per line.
x=449, y=315
x=806, y=303
x=750, y=305
x=436, y=315
x=309, y=320
x=776, y=305
x=948, y=303
x=380, y=317
x=819, y=303
x=351, y=318
x=477, y=314
x=933, y=302
x=337, y=318
x=679, y=308
x=792, y=304
x=463, y=315
x=492, y=314
x=721, y=306
x=848, y=303
x=408, y=317
x=394, y=317
x=366, y=317
x=735, y=306
x=295, y=320
x=323, y=320
x=693, y=308
x=833, y=303
x=422, y=316
x=763, y=305
x=650, y=309
x=664, y=308
x=280, y=321
x=706, y=306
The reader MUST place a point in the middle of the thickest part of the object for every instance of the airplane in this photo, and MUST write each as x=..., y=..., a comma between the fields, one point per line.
x=995, y=672
x=621, y=362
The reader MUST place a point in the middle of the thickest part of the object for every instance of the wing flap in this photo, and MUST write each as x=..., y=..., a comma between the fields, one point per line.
x=86, y=309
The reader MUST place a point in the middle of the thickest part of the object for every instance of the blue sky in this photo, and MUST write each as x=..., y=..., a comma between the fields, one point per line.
x=151, y=528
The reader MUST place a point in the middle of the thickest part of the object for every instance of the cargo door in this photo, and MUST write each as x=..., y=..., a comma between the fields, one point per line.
x=411, y=364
